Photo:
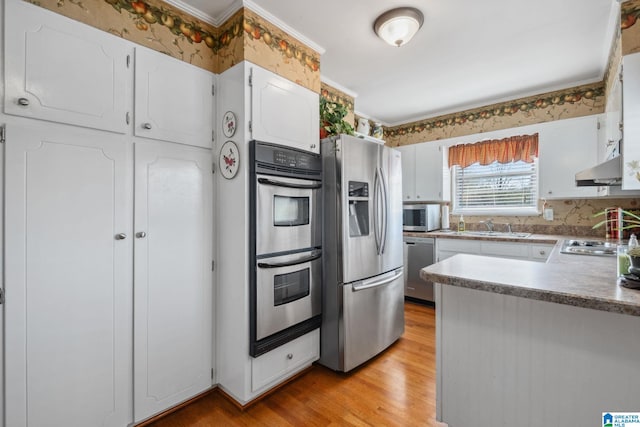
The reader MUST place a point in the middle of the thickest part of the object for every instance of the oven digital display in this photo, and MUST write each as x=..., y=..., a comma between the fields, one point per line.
x=292, y=160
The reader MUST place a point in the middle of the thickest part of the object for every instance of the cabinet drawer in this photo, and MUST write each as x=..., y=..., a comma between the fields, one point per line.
x=285, y=360
x=507, y=250
x=540, y=252
x=459, y=245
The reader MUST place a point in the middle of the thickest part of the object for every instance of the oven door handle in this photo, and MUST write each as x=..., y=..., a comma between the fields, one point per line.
x=309, y=258
x=289, y=185
x=367, y=285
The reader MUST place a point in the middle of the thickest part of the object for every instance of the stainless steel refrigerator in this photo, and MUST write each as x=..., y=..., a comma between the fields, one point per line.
x=363, y=286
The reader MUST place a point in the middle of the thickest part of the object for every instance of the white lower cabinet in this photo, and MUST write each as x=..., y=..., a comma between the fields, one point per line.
x=284, y=361
x=68, y=336
x=108, y=316
x=446, y=248
x=173, y=325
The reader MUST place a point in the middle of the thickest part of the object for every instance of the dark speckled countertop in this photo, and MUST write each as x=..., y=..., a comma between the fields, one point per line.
x=577, y=280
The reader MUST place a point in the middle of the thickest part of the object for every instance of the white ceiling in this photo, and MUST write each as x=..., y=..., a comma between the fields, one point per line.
x=469, y=53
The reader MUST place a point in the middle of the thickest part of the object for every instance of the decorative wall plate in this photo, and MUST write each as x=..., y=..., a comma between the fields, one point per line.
x=229, y=124
x=229, y=159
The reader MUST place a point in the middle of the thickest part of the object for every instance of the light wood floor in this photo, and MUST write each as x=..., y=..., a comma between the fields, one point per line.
x=397, y=388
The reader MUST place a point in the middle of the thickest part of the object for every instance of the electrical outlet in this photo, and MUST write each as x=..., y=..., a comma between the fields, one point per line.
x=548, y=214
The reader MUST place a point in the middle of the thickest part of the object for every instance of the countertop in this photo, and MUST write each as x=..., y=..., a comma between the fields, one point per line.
x=535, y=238
x=577, y=280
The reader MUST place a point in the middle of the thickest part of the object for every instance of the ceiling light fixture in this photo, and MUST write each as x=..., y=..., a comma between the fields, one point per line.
x=398, y=26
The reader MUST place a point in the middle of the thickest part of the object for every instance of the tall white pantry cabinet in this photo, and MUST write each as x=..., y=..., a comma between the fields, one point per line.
x=108, y=316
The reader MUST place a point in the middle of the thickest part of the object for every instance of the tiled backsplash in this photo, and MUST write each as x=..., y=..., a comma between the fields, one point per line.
x=571, y=218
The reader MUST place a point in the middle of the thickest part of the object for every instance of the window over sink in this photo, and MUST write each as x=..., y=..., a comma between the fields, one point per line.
x=498, y=177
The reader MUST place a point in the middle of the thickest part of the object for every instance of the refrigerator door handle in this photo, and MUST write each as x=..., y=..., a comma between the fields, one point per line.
x=385, y=212
x=376, y=211
x=377, y=283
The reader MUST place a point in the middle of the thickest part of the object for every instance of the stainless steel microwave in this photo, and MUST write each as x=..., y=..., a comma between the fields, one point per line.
x=421, y=217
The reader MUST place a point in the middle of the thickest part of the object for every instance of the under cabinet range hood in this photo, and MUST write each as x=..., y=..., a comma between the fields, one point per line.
x=607, y=173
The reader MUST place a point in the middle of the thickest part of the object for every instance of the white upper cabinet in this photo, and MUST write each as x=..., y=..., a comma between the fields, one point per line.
x=68, y=342
x=173, y=100
x=566, y=147
x=408, y=172
x=631, y=115
x=283, y=112
x=432, y=172
x=63, y=71
x=425, y=172
x=173, y=297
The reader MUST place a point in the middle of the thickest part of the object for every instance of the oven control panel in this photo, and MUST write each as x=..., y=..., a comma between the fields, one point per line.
x=292, y=160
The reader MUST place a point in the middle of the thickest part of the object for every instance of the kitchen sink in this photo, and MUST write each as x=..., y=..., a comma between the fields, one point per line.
x=588, y=247
x=493, y=234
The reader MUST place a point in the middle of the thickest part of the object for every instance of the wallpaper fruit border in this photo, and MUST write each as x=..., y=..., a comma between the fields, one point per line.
x=629, y=14
x=268, y=46
x=161, y=27
x=574, y=102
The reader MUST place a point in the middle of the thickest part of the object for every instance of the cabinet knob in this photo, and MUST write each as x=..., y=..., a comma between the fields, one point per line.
x=290, y=356
x=542, y=252
x=146, y=125
x=141, y=234
x=313, y=145
x=23, y=101
x=121, y=236
x=549, y=192
x=417, y=197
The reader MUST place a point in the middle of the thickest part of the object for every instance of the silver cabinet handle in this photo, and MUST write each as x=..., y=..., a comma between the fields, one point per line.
x=290, y=356
x=23, y=101
x=121, y=236
x=146, y=125
x=141, y=234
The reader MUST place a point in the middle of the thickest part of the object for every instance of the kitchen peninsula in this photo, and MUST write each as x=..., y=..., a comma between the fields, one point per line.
x=535, y=344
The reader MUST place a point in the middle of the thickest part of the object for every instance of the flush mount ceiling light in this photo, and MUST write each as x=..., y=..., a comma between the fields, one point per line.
x=398, y=26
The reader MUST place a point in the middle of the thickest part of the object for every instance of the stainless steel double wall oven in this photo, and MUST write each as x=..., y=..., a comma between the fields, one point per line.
x=286, y=245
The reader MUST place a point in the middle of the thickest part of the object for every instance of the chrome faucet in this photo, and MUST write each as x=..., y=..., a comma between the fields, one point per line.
x=488, y=223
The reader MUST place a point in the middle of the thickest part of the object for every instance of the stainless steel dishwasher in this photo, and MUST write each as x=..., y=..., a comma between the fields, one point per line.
x=419, y=252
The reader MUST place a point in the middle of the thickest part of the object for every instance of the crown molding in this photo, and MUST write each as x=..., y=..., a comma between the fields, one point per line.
x=235, y=6
x=197, y=13
x=338, y=86
x=283, y=26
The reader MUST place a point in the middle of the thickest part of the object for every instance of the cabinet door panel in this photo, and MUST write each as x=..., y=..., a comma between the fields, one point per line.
x=173, y=325
x=431, y=172
x=283, y=112
x=173, y=100
x=408, y=172
x=631, y=112
x=65, y=71
x=566, y=147
x=68, y=279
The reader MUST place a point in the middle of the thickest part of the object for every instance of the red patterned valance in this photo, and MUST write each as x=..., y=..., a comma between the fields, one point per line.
x=507, y=150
